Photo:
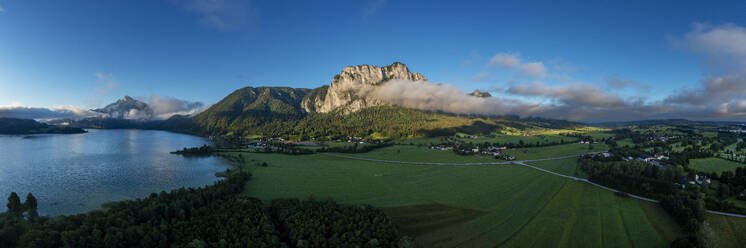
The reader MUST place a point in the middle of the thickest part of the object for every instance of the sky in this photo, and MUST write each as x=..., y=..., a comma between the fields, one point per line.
x=587, y=61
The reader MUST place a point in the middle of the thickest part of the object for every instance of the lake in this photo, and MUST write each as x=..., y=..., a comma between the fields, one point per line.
x=76, y=173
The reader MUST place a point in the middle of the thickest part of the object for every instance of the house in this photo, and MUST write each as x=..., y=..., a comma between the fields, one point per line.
x=643, y=157
x=661, y=157
x=657, y=163
x=508, y=157
x=442, y=148
x=702, y=179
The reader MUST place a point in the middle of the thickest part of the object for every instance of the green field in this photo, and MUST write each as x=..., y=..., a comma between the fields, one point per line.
x=727, y=231
x=713, y=165
x=516, y=139
x=599, y=134
x=554, y=151
x=410, y=153
x=423, y=141
x=567, y=166
x=470, y=206
x=332, y=144
x=625, y=143
x=421, y=154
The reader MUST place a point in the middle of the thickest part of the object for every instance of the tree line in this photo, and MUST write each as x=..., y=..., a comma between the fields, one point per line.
x=213, y=216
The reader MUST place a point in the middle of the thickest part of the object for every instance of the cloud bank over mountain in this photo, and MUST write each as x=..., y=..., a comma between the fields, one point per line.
x=535, y=91
x=153, y=107
x=58, y=112
x=165, y=107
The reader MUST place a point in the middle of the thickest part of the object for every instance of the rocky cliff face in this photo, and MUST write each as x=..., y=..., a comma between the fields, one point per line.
x=343, y=93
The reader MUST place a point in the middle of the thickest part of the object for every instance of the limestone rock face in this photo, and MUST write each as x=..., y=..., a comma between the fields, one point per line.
x=344, y=92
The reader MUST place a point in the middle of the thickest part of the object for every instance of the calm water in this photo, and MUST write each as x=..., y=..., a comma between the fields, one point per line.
x=75, y=173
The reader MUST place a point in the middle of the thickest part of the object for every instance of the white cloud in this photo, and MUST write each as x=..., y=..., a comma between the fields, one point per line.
x=106, y=83
x=574, y=94
x=223, y=15
x=723, y=47
x=614, y=82
x=534, y=69
x=480, y=77
x=576, y=102
x=513, y=62
x=505, y=60
x=165, y=107
x=373, y=7
x=17, y=110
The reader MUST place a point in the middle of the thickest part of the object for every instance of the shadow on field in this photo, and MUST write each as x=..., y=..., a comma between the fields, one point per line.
x=433, y=225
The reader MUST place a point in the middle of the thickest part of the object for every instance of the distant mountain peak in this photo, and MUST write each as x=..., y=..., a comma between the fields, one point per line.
x=126, y=108
x=478, y=93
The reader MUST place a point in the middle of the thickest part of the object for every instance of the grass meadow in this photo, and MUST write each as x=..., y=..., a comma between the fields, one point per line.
x=566, y=166
x=469, y=206
x=717, y=165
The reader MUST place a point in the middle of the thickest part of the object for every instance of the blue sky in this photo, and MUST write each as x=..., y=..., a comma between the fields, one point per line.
x=90, y=53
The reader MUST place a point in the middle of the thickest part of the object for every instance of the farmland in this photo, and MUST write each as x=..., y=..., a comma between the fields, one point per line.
x=714, y=165
x=445, y=206
x=421, y=153
x=516, y=139
x=567, y=166
x=554, y=151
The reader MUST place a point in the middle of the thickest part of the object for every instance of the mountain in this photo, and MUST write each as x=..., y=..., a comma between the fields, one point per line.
x=478, y=93
x=339, y=110
x=126, y=108
x=343, y=92
x=29, y=126
x=251, y=107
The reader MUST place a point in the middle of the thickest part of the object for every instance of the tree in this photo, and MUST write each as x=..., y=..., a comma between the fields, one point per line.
x=724, y=191
x=14, y=204
x=30, y=206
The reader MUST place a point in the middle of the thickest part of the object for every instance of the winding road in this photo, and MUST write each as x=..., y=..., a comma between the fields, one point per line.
x=524, y=163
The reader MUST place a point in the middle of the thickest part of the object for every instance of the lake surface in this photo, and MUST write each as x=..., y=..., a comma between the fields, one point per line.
x=76, y=173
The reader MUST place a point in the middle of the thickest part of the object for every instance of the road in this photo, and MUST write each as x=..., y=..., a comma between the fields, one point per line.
x=524, y=163
x=433, y=163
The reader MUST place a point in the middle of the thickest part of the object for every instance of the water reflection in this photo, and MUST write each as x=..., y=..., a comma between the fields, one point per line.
x=76, y=173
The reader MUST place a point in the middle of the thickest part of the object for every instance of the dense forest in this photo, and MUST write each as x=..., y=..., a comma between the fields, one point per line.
x=213, y=216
